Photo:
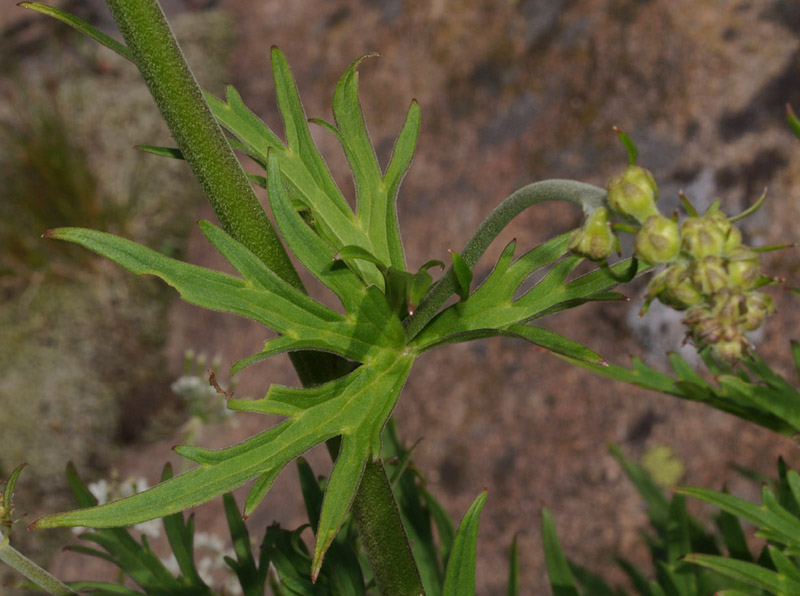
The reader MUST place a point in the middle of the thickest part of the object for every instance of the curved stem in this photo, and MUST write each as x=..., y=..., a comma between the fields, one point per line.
x=38, y=575
x=586, y=195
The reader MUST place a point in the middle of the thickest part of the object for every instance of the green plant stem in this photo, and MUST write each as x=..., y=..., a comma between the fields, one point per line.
x=179, y=98
x=39, y=576
x=152, y=44
x=383, y=535
x=587, y=196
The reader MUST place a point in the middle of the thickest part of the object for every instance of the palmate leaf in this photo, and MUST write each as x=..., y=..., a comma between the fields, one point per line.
x=354, y=407
x=493, y=308
x=374, y=226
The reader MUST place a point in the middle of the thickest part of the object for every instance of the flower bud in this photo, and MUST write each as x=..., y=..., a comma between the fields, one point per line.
x=709, y=275
x=744, y=269
x=594, y=239
x=705, y=236
x=703, y=326
x=731, y=234
x=731, y=351
x=633, y=193
x=756, y=306
x=728, y=307
x=658, y=240
x=679, y=292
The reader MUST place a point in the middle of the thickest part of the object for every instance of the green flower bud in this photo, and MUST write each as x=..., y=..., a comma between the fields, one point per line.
x=757, y=307
x=731, y=351
x=744, y=269
x=709, y=275
x=731, y=234
x=733, y=240
x=679, y=291
x=658, y=240
x=708, y=236
x=728, y=307
x=595, y=239
x=703, y=326
x=633, y=193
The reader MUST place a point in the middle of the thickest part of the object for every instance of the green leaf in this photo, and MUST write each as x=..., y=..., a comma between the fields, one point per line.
x=773, y=407
x=8, y=491
x=357, y=253
x=354, y=413
x=494, y=308
x=346, y=407
x=657, y=504
x=733, y=536
x=460, y=575
x=301, y=165
x=630, y=146
x=749, y=573
x=587, y=196
x=259, y=490
x=561, y=581
x=341, y=563
x=81, y=26
x=372, y=206
x=513, y=570
x=463, y=275
x=773, y=521
x=783, y=564
x=251, y=578
x=315, y=254
x=444, y=525
x=400, y=162
x=262, y=296
x=791, y=118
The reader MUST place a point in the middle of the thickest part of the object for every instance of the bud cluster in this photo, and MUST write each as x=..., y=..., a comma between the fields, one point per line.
x=714, y=277
x=709, y=273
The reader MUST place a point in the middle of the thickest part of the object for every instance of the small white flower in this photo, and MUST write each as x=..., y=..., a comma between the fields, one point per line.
x=100, y=490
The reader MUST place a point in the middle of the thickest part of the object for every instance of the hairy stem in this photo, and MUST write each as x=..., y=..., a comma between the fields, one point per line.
x=180, y=100
x=383, y=535
x=585, y=195
x=39, y=576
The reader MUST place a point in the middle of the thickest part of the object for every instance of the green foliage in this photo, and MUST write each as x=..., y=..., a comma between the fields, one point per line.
x=283, y=561
x=777, y=520
x=39, y=577
x=677, y=539
x=355, y=407
x=753, y=391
